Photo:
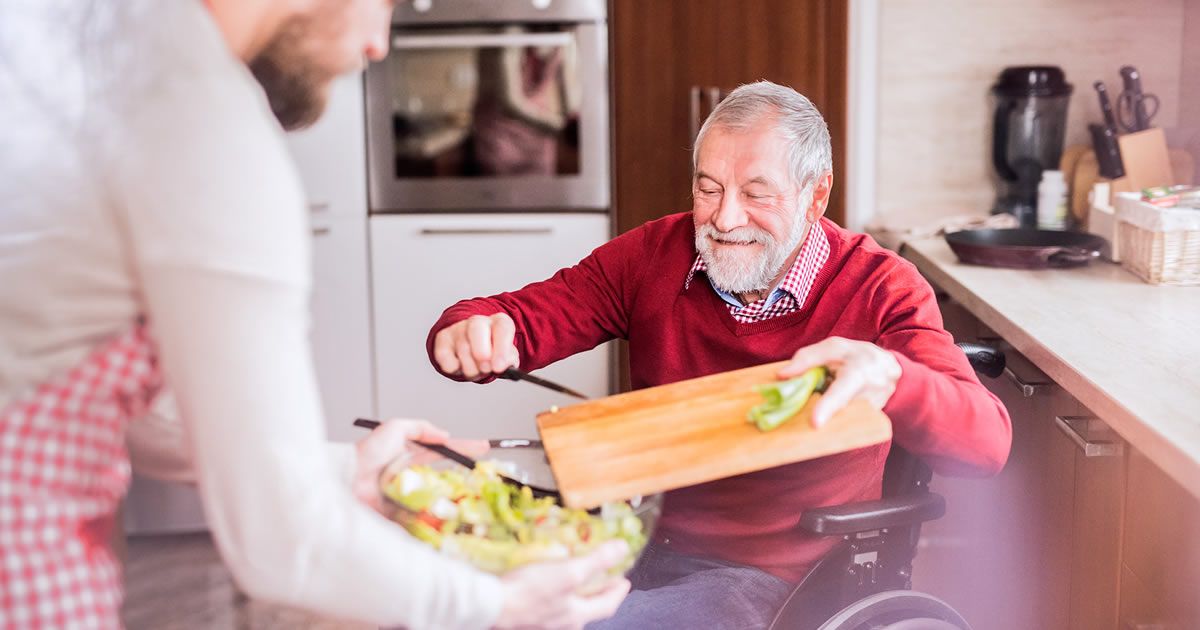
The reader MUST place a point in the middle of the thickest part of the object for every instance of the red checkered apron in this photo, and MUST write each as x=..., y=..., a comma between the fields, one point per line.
x=63, y=469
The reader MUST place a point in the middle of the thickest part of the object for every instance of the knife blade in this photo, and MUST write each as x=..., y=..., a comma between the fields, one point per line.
x=513, y=374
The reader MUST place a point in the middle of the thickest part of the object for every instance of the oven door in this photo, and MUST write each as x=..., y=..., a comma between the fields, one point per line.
x=492, y=117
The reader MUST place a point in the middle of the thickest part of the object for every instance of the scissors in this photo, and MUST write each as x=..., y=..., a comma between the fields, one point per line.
x=1135, y=109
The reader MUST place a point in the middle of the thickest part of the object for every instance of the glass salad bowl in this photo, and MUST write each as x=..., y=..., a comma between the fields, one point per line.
x=474, y=516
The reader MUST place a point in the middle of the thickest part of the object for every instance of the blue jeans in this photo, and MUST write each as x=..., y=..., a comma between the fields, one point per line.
x=671, y=590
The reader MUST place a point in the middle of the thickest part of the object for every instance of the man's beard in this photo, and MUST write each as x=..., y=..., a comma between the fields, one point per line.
x=296, y=87
x=744, y=271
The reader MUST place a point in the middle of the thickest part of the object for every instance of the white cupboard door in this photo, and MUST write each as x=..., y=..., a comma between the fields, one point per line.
x=331, y=154
x=341, y=324
x=421, y=264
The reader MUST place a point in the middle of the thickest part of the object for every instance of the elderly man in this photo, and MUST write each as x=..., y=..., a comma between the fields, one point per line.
x=754, y=274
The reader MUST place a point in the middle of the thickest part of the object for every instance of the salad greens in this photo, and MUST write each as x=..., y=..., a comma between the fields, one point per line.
x=474, y=515
x=784, y=399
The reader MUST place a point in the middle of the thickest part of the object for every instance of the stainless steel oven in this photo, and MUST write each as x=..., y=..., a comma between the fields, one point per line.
x=490, y=105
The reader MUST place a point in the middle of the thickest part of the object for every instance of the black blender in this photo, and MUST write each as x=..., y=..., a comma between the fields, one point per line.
x=1029, y=125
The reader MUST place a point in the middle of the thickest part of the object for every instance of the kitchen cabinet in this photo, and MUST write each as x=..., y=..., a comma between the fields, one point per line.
x=330, y=157
x=422, y=264
x=1160, y=570
x=1124, y=408
x=331, y=154
x=1002, y=553
x=341, y=322
x=673, y=60
x=1101, y=459
x=1079, y=531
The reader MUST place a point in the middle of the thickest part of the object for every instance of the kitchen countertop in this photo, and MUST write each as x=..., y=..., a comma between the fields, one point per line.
x=1129, y=351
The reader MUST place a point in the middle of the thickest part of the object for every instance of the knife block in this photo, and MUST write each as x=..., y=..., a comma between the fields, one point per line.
x=1147, y=160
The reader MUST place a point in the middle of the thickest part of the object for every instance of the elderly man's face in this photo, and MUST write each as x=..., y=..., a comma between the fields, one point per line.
x=749, y=213
x=314, y=47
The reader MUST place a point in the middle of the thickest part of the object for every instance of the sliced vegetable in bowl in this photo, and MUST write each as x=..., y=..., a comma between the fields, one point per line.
x=473, y=515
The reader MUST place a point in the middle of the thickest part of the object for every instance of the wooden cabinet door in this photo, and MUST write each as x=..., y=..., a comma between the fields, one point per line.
x=801, y=44
x=1001, y=554
x=1096, y=528
x=662, y=50
x=1160, y=579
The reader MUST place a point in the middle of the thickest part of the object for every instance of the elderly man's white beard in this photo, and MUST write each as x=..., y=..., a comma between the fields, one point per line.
x=737, y=270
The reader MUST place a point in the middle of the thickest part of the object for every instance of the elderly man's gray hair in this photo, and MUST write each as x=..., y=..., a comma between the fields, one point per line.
x=796, y=119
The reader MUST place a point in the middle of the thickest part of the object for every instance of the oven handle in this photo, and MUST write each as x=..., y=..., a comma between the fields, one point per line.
x=483, y=230
x=487, y=40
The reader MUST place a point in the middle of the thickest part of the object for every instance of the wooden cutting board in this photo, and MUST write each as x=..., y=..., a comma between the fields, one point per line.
x=687, y=433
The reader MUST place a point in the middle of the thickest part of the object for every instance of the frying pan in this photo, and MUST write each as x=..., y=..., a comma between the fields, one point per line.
x=1025, y=248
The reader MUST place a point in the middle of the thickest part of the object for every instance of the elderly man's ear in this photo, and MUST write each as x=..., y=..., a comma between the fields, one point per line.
x=820, y=198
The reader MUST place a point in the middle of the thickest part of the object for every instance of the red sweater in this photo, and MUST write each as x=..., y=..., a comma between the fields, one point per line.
x=633, y=288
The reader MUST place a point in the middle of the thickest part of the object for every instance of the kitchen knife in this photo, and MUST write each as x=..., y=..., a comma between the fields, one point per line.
x=513, y=374
x=1108, y=151
x=1104, y=137
x=1110, y=119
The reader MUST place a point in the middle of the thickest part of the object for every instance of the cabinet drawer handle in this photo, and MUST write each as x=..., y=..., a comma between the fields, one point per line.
x=482, y=40
x=320, y=231
x=1090, y=448
x=714, y=98
x=515, y=443
x=693, y=112
x=1028, y=389
x=475, y=231
x=318, y=207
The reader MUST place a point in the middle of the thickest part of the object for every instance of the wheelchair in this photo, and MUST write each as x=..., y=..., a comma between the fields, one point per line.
x=865, y=583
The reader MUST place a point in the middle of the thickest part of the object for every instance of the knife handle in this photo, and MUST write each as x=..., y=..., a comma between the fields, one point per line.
x=1132, y=79
x=511, y=374
x=1133, y=91
x=1108, y=151
x=1110, y=119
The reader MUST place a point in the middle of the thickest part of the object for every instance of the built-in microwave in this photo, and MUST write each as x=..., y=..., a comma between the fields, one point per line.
x=491, y=106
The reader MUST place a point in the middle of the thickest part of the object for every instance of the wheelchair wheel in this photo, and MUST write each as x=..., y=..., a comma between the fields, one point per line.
x=897, y=610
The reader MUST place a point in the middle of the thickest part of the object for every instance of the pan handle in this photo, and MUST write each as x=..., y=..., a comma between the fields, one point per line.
x=1071, y=256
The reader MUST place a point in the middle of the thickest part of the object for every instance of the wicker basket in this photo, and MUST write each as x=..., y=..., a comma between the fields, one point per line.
x=1161, y=246
x=1161, y=257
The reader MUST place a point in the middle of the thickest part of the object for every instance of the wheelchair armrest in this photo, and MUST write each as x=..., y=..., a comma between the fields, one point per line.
x=864, y=516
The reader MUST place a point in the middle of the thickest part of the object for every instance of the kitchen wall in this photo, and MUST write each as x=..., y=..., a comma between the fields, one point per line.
x=938, y=58
x=1189, y=91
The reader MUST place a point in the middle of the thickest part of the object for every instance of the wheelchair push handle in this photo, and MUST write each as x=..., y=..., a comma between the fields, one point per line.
x=985, y=360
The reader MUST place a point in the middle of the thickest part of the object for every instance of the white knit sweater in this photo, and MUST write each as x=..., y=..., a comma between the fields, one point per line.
x=142, y=173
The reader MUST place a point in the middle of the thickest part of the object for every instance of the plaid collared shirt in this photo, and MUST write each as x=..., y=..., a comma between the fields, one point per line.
x=792, y=291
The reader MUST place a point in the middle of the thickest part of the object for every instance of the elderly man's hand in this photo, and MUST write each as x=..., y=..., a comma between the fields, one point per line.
x=863, y=369
x=477, y=347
